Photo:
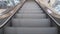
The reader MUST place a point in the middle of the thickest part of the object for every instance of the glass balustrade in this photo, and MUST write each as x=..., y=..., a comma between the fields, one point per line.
x=6, y=5
x=56, y=6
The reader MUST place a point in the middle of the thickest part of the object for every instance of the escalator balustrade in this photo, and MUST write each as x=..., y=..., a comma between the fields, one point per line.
x=30, y=19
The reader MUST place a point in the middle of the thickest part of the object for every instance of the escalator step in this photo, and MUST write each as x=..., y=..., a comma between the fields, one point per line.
x=32, y=16
x=30, y=11
x=33, y=12
x=31, y=22
x=28, y=30
x=18, y=15
x=31, y=5
x=1, y=31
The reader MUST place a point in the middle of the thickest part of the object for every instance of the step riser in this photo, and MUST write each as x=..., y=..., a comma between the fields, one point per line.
x=32, y=16
x=31, y=22
x=29, y=11
x=26, y=30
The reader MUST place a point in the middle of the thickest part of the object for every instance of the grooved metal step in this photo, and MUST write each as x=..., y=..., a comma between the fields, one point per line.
x=31, y=22
x=31, y=16
x=30, y=5
x=28, y=30
x=30, y=11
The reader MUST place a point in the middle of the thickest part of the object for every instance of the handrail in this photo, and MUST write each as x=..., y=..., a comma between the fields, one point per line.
x=49, y=15
x=12, y=13
x=6, y=14
x=50, y=8
x=7, y=11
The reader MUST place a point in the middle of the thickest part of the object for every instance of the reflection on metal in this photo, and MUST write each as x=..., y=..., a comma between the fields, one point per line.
x=49, y=11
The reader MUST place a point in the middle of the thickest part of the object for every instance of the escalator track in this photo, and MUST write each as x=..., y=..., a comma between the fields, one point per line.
x=30, y=19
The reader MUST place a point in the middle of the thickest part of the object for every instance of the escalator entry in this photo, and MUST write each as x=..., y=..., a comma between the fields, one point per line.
x=30, y=19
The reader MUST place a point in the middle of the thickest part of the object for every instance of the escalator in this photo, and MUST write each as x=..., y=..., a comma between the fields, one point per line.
x=30, y=19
